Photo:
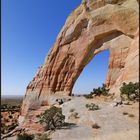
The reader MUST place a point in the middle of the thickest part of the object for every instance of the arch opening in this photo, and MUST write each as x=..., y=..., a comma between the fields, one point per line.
x=93, y=75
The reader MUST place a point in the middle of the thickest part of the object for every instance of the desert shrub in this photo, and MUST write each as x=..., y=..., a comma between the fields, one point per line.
x=24, y=136
x=98, y=92
x=6, y=120
x=8, y=107
x=87, y=105
x=74, y=115
x=10, y=116
x=130, y=91
x=12, y=112
x=89, y=96
x=52, y=118
x=12, y=127
x=72, y=110
x=4, y=129
x=92, y=106
x=43, y=136
x=95, y=126
x=131, y=115
x=62, y=100
x=125, y=113
x=7, y=128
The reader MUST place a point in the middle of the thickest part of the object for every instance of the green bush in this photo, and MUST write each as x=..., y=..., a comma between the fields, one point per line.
x=25, y=137
x=130, y=91
x=92, y=106
x=52, y=118
x=98, y=92
x=89, y=96
x=43, y=136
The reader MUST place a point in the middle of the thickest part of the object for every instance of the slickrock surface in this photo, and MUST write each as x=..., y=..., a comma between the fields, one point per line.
x=92, y=27
x=113, y=124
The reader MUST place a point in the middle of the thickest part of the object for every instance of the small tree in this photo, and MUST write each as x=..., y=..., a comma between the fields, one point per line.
x=25, y=136
x=130, y=89
x=52, y=118
x=98, y=92
x=104, y=90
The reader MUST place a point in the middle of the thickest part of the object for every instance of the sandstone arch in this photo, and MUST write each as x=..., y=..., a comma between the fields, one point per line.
x=93, y=75
x=103, y=26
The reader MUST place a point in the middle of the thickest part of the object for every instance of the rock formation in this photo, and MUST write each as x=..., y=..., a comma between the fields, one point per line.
x=94, y=26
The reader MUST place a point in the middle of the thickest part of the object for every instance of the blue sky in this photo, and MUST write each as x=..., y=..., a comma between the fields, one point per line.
x=29, y=30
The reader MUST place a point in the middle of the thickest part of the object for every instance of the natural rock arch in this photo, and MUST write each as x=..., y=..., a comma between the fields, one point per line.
x=87, y=31
x=93, y=75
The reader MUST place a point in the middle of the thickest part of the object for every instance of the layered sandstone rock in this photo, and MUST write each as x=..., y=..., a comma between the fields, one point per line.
x=92, y=27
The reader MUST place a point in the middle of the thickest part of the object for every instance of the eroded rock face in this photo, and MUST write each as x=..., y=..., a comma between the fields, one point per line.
x=92, y=27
